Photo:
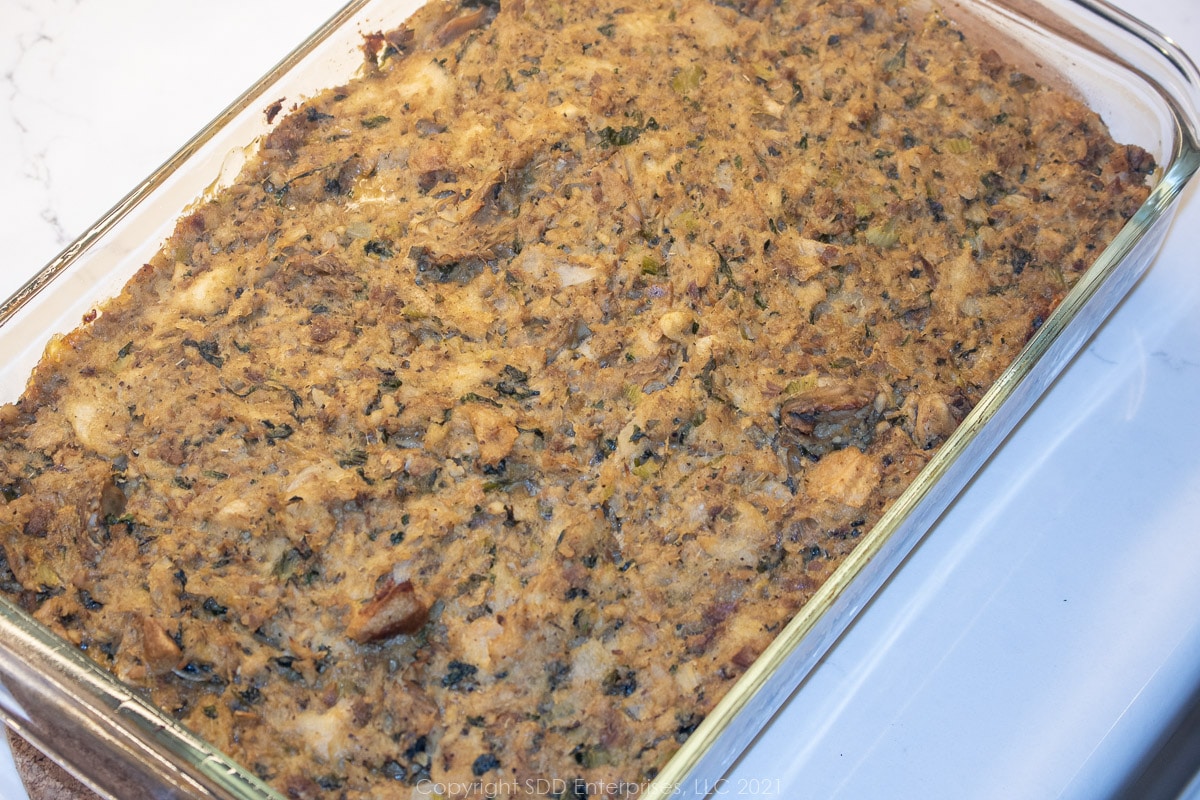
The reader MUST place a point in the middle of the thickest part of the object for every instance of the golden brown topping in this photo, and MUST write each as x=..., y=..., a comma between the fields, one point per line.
x=159, y=650
x=936, y=419
x=602, y=331
x=493, y=432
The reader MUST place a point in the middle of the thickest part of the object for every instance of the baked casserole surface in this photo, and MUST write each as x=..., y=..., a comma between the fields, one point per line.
x=520, y=390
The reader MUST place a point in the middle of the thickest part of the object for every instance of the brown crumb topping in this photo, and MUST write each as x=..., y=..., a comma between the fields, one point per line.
x=520, y=390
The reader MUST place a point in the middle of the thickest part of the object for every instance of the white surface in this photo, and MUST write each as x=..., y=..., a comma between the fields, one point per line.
x=10, y=782
x=1030, y=647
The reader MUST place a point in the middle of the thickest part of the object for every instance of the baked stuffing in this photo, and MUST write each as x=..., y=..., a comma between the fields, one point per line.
x=519, y=391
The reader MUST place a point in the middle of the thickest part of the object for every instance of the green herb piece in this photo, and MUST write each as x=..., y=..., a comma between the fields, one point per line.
x=353, y=458
x=515, y=384
x=331, y=782
x=620, y=683
x=213, y=607
x=285, y=567
x=632, y=394
x=591, y=755
x=883, y=235
x=897, y=61
x=208, y=349
x=473, y=397
x=687, y=80
x=378, y=247
x=276, y=432
x=958, y=146
x=460, y=676
x=725, y=270
x=483, y=764
x=627, y=134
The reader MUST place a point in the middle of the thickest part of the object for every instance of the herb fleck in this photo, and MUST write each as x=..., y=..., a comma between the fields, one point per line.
x=460, y=676
x=213, y=607
x=620, y=683
x=485, y=762
x=627, y=134
x=208, y=349
x=378, y=247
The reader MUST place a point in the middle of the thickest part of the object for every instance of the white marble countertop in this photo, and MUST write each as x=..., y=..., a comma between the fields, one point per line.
x=1037, y=641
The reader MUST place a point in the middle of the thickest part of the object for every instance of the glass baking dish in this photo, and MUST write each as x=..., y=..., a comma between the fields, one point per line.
x=1144, y=88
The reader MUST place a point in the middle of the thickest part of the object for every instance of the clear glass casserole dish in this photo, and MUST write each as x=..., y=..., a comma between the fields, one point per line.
x=1144, y=91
